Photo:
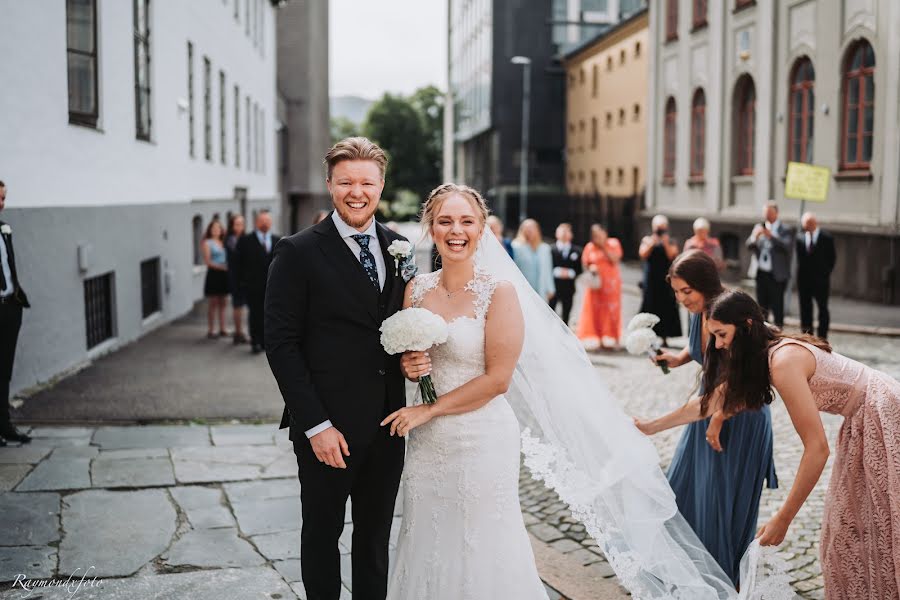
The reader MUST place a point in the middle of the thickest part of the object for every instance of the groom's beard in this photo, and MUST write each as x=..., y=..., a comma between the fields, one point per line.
x=354, y=219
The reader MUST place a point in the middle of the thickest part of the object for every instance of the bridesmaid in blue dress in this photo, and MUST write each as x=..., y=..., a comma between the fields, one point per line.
x=718, y=493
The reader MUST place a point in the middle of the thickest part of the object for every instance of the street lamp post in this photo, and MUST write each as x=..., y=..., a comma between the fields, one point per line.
x=523, y=159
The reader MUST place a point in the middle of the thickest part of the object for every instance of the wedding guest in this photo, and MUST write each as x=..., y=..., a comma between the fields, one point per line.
x=815, y=262
x=496, y=225
x=215, y=288
x=701, y=240
x=718, y=493
x=254, y=256
x=657, y=250
x=771, y=242
x=533, y=257
x=319, y=216
x=859, y=552
x=600, y=323
x=12, y=303
x=566, y=267
x=236, y=227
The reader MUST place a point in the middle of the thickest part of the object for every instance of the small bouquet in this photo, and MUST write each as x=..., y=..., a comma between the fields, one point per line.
x=414, y=329
x=642, y=339
x=402, y=251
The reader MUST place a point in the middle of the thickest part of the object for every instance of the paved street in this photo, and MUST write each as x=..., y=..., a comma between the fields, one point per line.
x=171, y=510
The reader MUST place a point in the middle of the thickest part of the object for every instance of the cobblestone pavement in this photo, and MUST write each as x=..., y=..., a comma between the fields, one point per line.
x=643, y=391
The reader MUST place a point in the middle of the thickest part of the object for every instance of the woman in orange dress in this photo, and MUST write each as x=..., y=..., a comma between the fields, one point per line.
x=600, y=323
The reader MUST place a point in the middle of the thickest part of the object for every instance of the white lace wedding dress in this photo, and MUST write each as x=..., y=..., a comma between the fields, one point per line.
x=462, y=536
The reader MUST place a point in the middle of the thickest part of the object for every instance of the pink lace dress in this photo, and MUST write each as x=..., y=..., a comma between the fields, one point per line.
x=860, y=545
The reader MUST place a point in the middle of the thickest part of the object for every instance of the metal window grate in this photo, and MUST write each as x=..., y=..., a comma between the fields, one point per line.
x=150, y=287
x=98, y=309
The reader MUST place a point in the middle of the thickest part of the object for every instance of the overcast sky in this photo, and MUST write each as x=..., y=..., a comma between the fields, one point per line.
x=382, y=46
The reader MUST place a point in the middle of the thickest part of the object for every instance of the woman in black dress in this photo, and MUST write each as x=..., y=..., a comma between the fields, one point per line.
x=658, y=251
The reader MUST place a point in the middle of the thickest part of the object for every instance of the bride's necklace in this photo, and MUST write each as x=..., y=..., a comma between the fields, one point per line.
x=447, y=292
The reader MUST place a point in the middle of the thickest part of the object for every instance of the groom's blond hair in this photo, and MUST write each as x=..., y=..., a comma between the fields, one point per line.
x=356, y=148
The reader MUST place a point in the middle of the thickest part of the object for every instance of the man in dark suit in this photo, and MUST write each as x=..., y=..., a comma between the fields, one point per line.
x=254, y=255
x=772, y=243
x=12, y=301
x=815, y=262
x=566, y=267
x=330, y=288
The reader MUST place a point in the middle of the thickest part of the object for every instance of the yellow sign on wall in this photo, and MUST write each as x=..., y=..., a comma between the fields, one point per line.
x=806, y=182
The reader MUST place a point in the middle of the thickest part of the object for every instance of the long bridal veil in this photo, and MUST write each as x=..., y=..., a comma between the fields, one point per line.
x=581, y=444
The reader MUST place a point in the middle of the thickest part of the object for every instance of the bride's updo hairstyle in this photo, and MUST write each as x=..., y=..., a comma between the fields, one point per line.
x=445, y=190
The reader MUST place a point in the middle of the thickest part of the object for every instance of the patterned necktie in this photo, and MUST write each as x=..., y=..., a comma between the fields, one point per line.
x=366, y=259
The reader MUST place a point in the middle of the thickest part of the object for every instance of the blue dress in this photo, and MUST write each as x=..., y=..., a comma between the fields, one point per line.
x=718, y=493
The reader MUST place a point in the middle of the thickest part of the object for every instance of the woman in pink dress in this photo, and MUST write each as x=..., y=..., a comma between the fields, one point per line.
x=860, y=544
x=600, y=322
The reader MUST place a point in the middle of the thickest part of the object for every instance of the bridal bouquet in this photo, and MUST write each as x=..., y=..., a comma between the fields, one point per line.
x=642, y=339
x=414, y=329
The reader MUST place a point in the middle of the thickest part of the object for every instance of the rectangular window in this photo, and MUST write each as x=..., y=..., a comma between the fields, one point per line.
x=191, y=141
x=247, y=117
x=672, y=20
x=222, y=128
x=256, y=137
x=237, y=126
x=142, y=68
x=256, y=6
x=207, y=109
x=262, y=29
x=98, y=309
x=262, y=141
x=150, y=301
x=247, y=17
x=237, y=10
x=81, y=59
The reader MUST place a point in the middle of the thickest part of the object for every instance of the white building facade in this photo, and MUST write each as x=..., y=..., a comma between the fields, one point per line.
x=127, y=126
x=740, y=87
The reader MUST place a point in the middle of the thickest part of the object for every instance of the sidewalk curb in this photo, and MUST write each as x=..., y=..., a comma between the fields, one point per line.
x=634, y=290
x=570, y=578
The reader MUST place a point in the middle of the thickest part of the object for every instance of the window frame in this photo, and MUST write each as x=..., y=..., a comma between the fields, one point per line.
x=207, y=109
x=698, y=135
x=141, y=94
x=671, y=20
x=745, y=120
x=670, y=133
x=223, y=129
x=87, y=119
x=700, y=14
x=807, y=110
x=857, y=77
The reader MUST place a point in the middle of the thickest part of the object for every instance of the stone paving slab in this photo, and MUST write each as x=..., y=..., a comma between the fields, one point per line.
x=263, y=583
x=58, y=474
x=74, y=452
x=262, y=490
x=27, y=454
x=283, y=545
x=289, y=569
x=267, y=516
x=29, y=519
x=11, y=475
x=132, y=472
x=31, y=561
x=203, y=506
x=151, y=436
x=60, y=442
x=212, y=549
x=61, y=432
x=101, y=530
x=243, y=435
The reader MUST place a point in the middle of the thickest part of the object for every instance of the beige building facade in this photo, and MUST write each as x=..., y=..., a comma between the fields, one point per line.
x=740, y=87
x=606, y=118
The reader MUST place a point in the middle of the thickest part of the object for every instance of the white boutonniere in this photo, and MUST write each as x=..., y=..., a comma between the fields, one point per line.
x=574, y=256
x=5, y=229
x=402, y=252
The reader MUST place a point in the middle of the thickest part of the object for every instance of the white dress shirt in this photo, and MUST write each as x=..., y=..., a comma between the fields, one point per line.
x=563, y=272
x=811, y=239
x=346, y=232
x=265, y=240
x=7, y=272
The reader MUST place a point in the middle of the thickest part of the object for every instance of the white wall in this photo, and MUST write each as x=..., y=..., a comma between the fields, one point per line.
x=48, y=162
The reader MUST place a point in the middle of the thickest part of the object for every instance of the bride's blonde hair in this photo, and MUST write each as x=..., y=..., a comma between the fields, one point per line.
x=445, y=190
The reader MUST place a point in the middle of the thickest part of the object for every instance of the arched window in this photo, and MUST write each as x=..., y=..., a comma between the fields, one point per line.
x=858, y=106
x=672, y=20
x=801, y=108
x=699, y=13
x=698, y=133
x=745, y=125
x=669, y=142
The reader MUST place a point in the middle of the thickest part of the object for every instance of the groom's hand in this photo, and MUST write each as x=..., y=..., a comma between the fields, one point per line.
x=415, y=365
x=330, y=448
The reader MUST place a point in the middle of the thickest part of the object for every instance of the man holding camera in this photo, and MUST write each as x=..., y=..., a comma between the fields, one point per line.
x=771, y=243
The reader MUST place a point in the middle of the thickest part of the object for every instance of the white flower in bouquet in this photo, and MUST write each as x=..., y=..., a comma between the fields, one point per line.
x=643, y=321
x=414, y=329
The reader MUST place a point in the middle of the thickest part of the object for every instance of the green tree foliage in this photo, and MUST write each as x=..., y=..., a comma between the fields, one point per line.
x=342, y=127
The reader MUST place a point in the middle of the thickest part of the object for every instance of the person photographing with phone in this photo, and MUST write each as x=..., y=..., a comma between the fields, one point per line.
x=657, y=250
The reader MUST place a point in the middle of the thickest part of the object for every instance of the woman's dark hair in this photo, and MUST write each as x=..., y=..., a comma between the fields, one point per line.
x=743, y=370
x=208, y=235
x=231, y=221
x=699, y=271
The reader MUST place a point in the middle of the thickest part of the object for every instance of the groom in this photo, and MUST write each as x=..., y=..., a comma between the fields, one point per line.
x=329, y=289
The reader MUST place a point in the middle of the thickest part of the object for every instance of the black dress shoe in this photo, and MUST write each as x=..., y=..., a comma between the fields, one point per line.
x=2, y=442
x=14, y=435
x=255, y=349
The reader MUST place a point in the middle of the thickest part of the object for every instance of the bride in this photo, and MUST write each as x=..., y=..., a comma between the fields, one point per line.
x=510, y=361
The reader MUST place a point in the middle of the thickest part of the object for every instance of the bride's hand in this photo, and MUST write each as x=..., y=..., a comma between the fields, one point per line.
x=415, y=365
x=406, y=419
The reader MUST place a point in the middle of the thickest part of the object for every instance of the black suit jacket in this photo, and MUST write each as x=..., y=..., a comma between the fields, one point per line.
x=572, y=260
x=322, y=320
x=253, y=263
x=18, y=292
x=814, y=268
